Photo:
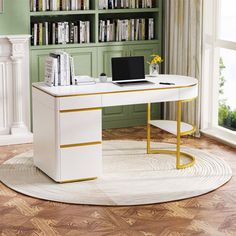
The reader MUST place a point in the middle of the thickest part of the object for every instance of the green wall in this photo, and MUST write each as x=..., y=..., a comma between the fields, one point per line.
x=15, y=17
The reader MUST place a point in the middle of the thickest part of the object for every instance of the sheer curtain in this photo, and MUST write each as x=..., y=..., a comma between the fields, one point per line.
x=183, y=39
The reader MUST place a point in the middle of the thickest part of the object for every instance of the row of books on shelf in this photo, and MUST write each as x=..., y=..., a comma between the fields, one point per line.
x=59, y=69
x=111, y=4
x=59, y=5
x=60, y=33
x=126, y=30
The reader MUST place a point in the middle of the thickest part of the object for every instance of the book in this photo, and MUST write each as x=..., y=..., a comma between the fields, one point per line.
x=72, y=71
x=51, y=71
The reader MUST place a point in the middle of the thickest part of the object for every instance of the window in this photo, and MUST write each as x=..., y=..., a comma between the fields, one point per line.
x=219, y=70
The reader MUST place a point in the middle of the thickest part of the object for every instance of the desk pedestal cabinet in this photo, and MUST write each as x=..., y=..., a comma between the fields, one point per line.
x=67, y=121
x=67, y=137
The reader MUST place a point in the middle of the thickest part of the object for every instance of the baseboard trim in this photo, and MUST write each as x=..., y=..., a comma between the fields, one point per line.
x=16, y=139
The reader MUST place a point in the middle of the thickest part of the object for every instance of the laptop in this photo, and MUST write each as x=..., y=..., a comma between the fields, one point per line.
x=128, y=71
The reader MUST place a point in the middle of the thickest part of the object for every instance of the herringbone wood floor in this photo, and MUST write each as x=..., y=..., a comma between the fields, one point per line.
x=211, y=214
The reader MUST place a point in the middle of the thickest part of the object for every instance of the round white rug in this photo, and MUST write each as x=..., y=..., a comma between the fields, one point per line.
x=130, y=177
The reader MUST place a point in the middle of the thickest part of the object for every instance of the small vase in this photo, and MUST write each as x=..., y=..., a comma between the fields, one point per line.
x=153, y=69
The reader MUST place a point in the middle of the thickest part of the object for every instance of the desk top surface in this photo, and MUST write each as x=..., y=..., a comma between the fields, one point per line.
x=109, y=87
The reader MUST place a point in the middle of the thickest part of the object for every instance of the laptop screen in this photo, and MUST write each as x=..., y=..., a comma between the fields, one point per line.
x=127, y=68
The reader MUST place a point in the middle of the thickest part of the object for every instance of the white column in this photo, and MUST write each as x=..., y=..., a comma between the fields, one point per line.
x=15, y=89
x=18, y=126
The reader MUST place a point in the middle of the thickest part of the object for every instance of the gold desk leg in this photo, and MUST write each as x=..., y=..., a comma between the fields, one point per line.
x=148, y=128
x=178, y=134
x=176, y=152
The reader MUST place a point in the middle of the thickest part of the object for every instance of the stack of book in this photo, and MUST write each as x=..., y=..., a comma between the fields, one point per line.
x=59, y=5
x=111, y=4
x=59, y=69
x=126, y=30
x=60, y=32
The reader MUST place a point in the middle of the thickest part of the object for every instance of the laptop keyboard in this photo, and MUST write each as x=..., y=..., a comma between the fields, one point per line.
x=134, y=82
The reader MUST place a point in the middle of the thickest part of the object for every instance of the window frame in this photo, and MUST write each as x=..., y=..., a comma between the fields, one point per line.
x=210, y=73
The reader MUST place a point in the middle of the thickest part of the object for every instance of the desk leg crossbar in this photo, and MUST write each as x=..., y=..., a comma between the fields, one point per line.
x=178, y=153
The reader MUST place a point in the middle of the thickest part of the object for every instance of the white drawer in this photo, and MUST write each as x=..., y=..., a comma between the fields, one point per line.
x=80, y=126
x=80, y=102
x=140, y=97
x=188, y=93
x=81, y=162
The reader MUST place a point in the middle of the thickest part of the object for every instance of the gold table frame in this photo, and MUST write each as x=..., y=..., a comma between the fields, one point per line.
x=177, y=152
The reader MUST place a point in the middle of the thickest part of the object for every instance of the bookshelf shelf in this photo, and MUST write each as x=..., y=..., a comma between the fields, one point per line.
x=58, y=13
x=101, y=44
x=128, y=10
x=95, y=57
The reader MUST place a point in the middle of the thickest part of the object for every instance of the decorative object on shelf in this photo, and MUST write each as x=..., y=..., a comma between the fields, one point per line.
x=154, y=64
x=103, y=78
x=1, y=6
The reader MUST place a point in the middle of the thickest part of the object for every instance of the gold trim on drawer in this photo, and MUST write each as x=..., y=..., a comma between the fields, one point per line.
x=80, y=144
x=77, y=180
x=82, y=109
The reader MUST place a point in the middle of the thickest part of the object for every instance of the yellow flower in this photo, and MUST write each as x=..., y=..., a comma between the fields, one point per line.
x=155, y=59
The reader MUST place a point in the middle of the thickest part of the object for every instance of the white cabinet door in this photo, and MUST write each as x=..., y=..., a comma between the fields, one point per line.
x=80, y=127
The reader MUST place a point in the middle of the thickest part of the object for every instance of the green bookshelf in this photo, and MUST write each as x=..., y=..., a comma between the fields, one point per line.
x=95, y=57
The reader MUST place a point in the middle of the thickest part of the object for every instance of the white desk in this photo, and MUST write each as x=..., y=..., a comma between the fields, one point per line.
x=67, y=121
